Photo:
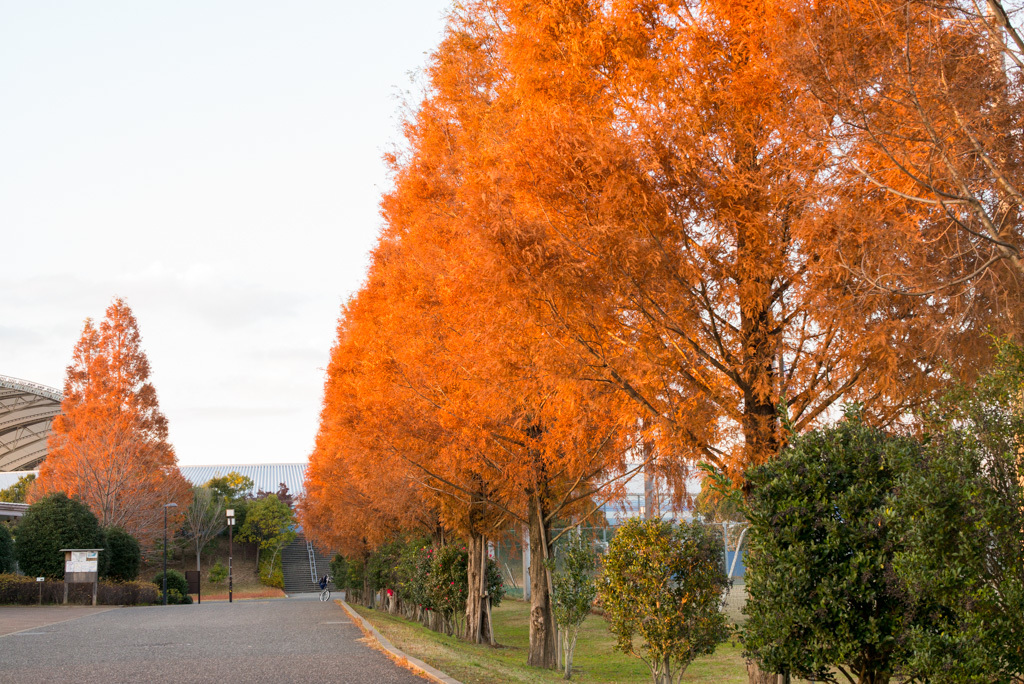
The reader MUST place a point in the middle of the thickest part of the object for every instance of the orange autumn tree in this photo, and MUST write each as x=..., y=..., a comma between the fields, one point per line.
x=109, y=445
x=447, y=389
x=648, y=173
x=923, y=103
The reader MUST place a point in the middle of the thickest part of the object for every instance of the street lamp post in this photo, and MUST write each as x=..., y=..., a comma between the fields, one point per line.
x=231, y=525
x=166, y=506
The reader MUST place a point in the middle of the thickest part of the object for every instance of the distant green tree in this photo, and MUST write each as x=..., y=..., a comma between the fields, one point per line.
x=49, y=525
x=270, y=525
x=231, y=487
x=18, y=491
x=123, y=555
x=575, y=587
x=339, y=571
x=661, y=591
x=6, y=549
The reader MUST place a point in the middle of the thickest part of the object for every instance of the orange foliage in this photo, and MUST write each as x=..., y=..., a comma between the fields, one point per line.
x=109, y=445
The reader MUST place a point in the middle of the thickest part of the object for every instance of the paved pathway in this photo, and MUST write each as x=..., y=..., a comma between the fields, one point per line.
x=19, y=618
x=297, y=640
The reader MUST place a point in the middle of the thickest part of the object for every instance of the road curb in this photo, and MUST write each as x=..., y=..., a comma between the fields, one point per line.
x=414, y=664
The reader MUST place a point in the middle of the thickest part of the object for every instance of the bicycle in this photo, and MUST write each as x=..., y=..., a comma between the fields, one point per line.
x=325, y=593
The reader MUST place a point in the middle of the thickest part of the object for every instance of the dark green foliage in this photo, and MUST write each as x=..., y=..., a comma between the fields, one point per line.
x=661, y=591
x=177, y=583
x=495, y=584
x=820, y=583
x=339, y=571
x=18, y=589
x=51, y=524
x=6, y=549
x=381, y=566
x=960, y=516
x=18, y=491
x=123, y=555
x=448, y=584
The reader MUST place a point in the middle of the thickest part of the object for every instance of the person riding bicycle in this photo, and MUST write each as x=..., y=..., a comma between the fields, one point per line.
x=323, y=582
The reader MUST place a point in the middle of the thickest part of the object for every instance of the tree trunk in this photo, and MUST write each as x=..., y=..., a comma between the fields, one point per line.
x=199, y=552
x=478, y=628
x=543, y=644
x=756, y=676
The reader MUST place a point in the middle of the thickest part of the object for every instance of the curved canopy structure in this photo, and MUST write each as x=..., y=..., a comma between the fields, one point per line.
x=27, y=410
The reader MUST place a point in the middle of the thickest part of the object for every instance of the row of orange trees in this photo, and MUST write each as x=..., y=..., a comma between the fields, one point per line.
x=624, y=232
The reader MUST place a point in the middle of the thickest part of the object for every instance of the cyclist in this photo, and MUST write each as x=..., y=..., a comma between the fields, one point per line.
x=323, y=582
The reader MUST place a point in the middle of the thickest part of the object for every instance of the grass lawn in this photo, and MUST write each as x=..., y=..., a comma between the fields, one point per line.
x=594, y=660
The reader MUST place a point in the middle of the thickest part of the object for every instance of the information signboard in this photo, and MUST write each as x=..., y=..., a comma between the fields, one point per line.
x=82, y=561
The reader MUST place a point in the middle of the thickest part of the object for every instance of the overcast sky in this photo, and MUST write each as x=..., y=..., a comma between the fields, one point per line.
x=218, y=165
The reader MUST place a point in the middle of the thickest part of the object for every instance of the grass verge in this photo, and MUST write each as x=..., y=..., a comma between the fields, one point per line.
x=594, y=660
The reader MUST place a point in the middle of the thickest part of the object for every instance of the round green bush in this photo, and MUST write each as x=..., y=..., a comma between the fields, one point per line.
x=6, y=550
x=123, y=555
x=51, y=524
x=218, y=573
x=175, y=582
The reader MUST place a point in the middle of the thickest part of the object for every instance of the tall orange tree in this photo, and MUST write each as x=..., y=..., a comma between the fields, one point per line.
x=109, y=445
x=922, y=103
x=648, y=171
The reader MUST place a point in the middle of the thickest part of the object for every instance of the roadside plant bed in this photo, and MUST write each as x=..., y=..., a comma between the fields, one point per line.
x=594, y=660
x=21, y=590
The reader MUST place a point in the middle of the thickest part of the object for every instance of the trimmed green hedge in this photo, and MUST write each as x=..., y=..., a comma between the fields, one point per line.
x=18, y=589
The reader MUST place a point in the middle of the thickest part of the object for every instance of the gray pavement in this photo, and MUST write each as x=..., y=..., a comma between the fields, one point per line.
x=298, y=639
x=20, y=618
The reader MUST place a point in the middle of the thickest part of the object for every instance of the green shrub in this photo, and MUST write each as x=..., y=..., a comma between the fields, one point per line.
x=6, y=549
x=123, y=555
x=820, y=583
x=448, y=584
x=661, y=591
x=339, y=571
x=959, y=515
x=271, y=574
x=18, y=589
x=51, y=524
x=175, y=581
x=218, y=573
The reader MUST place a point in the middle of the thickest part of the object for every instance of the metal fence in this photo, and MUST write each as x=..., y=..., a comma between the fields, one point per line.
x=507, y=552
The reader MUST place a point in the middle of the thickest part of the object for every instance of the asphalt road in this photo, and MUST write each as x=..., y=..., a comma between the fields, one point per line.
x=283, y=640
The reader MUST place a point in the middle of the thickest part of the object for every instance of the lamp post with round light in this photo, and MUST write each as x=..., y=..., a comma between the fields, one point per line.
x=231, y=525
x=166, y=506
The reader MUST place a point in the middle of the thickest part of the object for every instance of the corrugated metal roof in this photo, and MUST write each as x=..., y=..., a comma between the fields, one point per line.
x=265, y=476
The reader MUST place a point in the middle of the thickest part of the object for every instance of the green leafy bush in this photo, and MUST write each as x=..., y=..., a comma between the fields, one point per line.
x=176, y=582
x=448, y=584
x=339, y=571
x=6, y=549
x=959, y=515
x=661, y=591
x=271, y=574
x=218, y=573
x=820, y=582
x=51, y=524
x=123, y=555
x=574, y=591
